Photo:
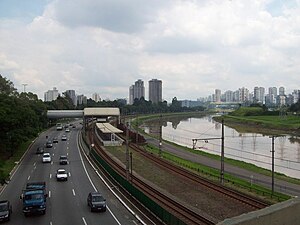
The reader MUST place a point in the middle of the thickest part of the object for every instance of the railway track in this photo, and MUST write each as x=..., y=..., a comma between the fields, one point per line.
x=188, y=216
x=238, y=196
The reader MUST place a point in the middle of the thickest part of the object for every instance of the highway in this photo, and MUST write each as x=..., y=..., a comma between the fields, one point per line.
x=67, y=200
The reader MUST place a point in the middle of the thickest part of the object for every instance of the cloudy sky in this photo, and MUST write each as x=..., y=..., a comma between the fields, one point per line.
x=193, y=46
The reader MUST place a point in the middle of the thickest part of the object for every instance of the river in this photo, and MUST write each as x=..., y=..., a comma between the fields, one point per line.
x=253, y=148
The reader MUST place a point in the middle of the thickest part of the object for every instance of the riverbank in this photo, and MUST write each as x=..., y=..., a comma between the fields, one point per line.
x=233, y=162
x=269, y=125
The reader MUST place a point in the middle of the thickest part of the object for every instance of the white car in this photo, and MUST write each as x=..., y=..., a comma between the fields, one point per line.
x=61, y=174
x=63, y=137
x=46, y=157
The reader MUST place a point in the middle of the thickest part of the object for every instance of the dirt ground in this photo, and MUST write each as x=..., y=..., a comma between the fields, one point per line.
x=199, y=198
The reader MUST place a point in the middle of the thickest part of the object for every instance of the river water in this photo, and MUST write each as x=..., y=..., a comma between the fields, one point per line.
x=253, y=148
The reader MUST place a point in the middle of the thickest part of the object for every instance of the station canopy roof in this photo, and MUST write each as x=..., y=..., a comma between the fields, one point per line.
x=101, y=112
x=107, y=128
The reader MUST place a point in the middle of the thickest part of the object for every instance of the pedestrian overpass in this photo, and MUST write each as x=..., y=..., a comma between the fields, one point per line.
x=86, y=113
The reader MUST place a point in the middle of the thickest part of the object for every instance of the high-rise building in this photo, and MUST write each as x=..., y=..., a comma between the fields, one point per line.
x=136, y=91
x=217, y=95
x=243, y=94
x=259, y=95
x=71, y=94
x=296, y=96
x=272, y=96
x=155, y=90
x=96, y=97
x=228, y=96
x=81, y=100
x=51, y=95
x=281, y=91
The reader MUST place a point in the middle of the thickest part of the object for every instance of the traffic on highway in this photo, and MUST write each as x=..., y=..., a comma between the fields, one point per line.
x=54, y=184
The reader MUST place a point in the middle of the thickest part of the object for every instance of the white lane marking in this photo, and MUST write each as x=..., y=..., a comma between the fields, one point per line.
x=49, y=194
x=34, y=163
x=73, y=192
x=28, y=178
x=34, y=168
x=51, y=162
x=67, y=147
x=50, y=175
x=50, y=222
x=102, y=180
x=69, y=174
x=67, y=153
x=84, y=221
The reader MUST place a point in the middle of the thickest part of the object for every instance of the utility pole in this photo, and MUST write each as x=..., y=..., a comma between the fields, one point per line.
x=273, y=153
x=222, y=154
x=127, y=152
x=137, y=130
x=222, y=149
x=160, y=135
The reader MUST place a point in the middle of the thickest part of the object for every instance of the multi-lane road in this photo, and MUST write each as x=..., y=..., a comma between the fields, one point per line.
x=67, y=200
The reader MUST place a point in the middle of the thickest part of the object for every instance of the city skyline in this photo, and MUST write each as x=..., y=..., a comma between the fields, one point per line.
x=193, y=46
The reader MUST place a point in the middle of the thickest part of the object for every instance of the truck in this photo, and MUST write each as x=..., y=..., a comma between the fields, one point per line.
x=34, y=198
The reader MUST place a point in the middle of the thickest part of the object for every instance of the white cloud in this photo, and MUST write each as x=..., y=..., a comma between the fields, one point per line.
x=194, y=47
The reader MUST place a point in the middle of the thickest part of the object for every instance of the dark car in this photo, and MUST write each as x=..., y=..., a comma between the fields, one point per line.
x=96, y=202
x=5, y=210
x=55, y=140
x=49, y=144
x=63, y=160
x=40, y=150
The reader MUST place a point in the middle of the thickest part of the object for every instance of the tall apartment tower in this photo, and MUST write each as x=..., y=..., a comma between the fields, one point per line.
x=71, y=94
x=136, y=91
x=259, y=94
x=51, y=95
x=218, y=95
x=281, y=91
x=155, y=90
x=96, y=97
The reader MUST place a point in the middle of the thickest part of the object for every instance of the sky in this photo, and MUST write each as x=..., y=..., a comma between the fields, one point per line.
x=193, y=46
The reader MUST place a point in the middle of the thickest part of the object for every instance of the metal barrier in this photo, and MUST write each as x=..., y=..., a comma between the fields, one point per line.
x=156, y=209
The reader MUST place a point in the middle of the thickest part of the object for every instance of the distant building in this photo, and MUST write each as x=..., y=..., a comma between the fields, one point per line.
x=259, y=95
x=228, y=96
x=296, y=96
x=243, y=94
x=281, y=91
x=81, y=100
x=96, y=97
x=155, y=90
x=191, y=104
x=136, y=91
x=217, y=95
x=71, y=94
x=51, y=95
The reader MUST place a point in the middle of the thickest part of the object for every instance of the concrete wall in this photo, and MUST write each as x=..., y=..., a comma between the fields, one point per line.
x=284, y=213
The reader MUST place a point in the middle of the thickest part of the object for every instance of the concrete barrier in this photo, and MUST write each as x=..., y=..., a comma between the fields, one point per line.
x=283, y=213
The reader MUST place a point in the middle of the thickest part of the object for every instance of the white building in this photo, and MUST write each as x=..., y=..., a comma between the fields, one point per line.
x=96, y=97
x=51, y=95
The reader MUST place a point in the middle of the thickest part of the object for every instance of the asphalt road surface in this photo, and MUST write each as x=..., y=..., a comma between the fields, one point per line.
x=67, y=200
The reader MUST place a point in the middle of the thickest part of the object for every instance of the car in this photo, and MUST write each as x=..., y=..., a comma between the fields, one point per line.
x=40, y=150
x=49, y=144
x=96, y=202
x=46, y=157
x=55, y=140
x=63, y=137
x=67, y=130
x=63, y=160
x=5, y=210
x=61, y=175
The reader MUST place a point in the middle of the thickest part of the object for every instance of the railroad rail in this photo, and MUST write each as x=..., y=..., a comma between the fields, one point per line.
x=236, y=195
x=188, y=216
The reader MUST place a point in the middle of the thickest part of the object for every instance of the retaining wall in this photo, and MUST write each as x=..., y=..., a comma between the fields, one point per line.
x=284, y=213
